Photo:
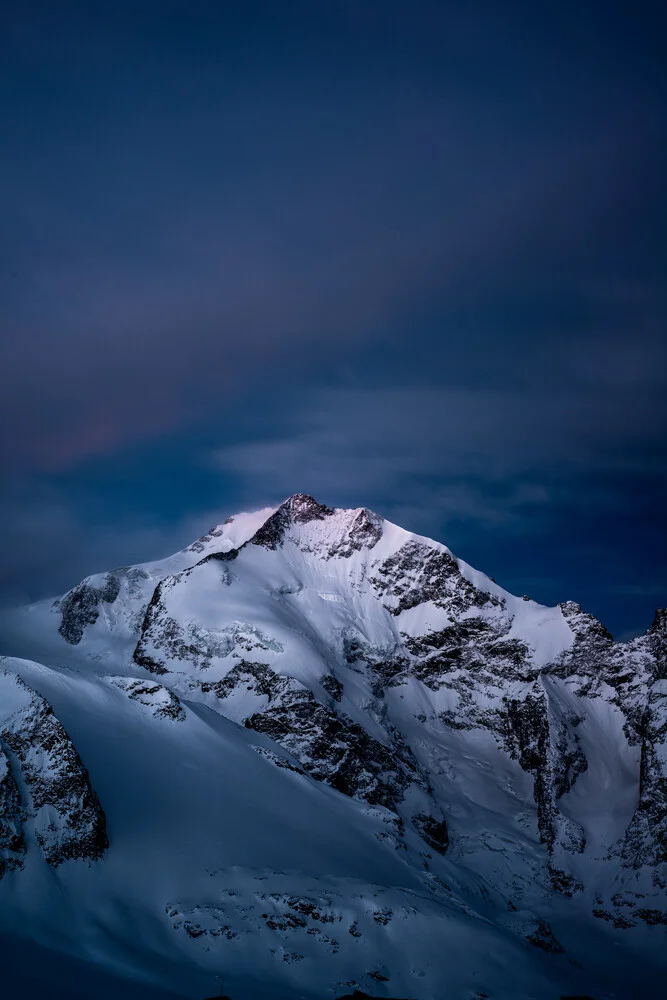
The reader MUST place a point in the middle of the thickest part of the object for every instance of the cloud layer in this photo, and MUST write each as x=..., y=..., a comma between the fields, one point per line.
x=409, y=256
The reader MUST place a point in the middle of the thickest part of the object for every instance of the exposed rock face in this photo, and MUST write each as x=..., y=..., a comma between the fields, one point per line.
x=162, y=632
x=543, y=937
x=332, y=686
x=164, y=642
x=201, y=543
x=434, y=832
x=527, y=736
x=473, y=648
x=279, y=760
x=12, y=839
x=80, y=607
x=45, y=781
x=364, y=532
x=299, y=509
x=657, y=642
x=646, y=839
x=418, y=573
x=162, y=702
x=553, y=757
x=329, y=746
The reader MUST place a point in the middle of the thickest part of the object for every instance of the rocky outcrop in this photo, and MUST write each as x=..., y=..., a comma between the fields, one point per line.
x=629, y=676
x=646, y=838
x=12, y=838
x=549, y=749
x=299, y=509
x=165, y=643
x=161, y=702
x=350, y=531
x=160, y=631
x=328, y=746
x=81, y=607
x=656, y=639
x=332, y=748
x=363, y=532
x=433, y=832
x=474, y=647
x=200, y=544
x=54, y=786
x=417, y=573
x=332, y=686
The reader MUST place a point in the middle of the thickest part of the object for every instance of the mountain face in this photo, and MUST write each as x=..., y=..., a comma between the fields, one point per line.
x=318, y=753
x=45, y=790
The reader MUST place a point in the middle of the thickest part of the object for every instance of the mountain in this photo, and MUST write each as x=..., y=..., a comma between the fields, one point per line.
x=315, y=753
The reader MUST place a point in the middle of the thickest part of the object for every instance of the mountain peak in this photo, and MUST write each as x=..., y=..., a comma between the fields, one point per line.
x=297, y=509
x=659, y=624
x=657, y=636
x=303, y=508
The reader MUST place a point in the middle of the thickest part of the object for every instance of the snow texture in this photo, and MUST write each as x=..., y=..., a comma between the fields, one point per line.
x=317, y=753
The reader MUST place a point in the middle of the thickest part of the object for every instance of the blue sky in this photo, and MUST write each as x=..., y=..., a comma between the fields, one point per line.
x=410, y=256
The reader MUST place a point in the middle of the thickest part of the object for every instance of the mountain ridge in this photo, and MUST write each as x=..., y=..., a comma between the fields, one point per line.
x=509, y=757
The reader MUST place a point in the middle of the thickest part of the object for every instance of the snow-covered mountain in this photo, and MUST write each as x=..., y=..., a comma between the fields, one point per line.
x=314, y=752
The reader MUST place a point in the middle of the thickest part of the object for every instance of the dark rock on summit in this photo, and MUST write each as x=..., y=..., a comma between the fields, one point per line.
x=299, y=509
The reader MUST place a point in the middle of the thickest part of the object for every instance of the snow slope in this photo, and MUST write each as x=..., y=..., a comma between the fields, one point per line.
x=316, y=752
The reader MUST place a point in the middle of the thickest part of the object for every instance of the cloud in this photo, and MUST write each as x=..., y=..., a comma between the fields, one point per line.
x=178, y=252
x=564, y=433
x=371, y=439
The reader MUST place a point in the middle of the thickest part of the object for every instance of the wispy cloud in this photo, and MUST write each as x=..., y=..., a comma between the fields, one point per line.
x=383, y=440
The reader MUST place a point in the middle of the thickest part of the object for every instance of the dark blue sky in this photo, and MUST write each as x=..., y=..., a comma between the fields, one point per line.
x=408, y=255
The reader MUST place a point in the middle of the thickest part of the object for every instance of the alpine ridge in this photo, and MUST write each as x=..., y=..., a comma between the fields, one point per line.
x=322, y=754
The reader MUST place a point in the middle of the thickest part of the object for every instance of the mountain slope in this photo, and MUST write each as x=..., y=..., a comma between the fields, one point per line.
x=333, y=754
